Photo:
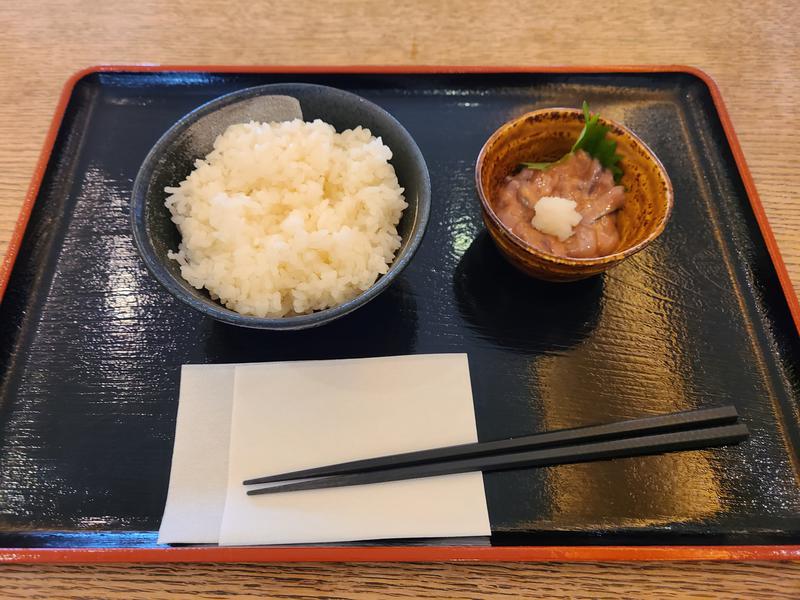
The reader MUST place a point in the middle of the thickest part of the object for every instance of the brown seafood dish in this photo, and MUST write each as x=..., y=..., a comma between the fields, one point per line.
x=581, y=181
x=548, y=135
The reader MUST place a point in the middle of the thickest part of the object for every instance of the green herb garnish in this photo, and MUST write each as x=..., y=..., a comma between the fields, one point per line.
x=593, y=141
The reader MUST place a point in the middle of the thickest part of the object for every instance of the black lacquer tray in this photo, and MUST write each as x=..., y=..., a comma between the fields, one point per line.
x=90, y=344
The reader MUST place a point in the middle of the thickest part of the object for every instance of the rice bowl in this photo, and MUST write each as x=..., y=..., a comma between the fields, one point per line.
x=174, y=156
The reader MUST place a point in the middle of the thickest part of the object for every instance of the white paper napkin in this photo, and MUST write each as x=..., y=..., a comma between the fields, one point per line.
x=199, y=476
x=288, y=416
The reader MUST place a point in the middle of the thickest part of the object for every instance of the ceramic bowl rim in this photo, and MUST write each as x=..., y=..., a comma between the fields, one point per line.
x=214, y=308
x=564, y=260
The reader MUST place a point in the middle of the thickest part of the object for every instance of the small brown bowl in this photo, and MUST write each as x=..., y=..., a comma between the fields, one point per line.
x=546, y=135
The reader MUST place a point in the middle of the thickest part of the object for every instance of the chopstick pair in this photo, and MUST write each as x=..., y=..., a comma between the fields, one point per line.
x=689, y=430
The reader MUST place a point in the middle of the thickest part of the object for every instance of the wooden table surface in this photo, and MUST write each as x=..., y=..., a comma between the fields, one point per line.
x=750, y=48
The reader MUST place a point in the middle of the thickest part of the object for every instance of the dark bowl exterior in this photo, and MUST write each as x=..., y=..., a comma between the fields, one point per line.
x=172, y=159
x=546, y=135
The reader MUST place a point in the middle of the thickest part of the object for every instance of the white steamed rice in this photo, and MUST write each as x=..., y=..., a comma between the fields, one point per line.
x=288, y=218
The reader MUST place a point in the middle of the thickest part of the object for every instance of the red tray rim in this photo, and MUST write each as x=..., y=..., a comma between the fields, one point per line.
x=379, y=553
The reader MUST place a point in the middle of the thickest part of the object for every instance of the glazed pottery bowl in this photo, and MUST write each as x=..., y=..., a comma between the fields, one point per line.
x=546, y=135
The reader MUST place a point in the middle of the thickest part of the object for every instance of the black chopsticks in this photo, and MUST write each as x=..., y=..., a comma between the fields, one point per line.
x=666, y=433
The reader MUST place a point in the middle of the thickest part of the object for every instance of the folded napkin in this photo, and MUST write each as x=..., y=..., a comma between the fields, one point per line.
x=241, y=421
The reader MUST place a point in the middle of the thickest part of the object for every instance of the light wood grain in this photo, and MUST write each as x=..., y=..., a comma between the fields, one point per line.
x=750, y=48
x=355, y=581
